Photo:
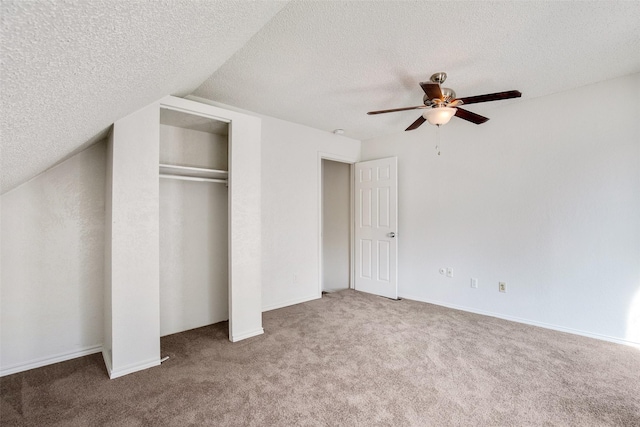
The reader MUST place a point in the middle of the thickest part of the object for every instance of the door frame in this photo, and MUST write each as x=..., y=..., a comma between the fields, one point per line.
x=351, y=161
x=245, y=256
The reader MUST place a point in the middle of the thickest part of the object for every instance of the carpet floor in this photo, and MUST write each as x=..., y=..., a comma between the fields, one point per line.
x=348, y=359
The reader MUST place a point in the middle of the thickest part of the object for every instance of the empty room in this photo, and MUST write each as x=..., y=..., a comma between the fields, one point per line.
x=319, y=213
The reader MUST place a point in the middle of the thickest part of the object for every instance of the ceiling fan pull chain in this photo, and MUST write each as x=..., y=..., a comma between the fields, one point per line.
x=438, y=139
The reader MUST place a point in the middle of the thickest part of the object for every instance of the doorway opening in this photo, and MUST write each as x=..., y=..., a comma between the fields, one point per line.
x=194, y=221
x=336, y=254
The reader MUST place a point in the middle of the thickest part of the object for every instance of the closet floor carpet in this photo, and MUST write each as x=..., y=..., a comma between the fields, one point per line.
x=348, y=359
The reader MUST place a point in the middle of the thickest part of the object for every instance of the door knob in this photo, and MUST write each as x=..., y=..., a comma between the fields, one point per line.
x=392, y=234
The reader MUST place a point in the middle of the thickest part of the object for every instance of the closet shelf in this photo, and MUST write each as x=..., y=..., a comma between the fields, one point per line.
x=192, y=172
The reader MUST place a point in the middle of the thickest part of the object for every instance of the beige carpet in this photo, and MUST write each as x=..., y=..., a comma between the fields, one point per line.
x=349, y=359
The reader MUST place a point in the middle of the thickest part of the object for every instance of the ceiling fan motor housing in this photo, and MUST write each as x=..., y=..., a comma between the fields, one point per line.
x=448, y=95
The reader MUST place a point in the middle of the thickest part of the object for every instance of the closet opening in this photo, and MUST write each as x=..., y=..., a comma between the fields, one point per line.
x=194, y=221
x=336, y=246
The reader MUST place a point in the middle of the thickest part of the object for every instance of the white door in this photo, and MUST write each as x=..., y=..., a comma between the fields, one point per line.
x=376, y=220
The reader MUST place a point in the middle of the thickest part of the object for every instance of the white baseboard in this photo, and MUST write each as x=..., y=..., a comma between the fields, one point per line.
x=526, y=321
x=290, y=302
x=245, y=335
x=107, y=361
x=49, y=360
x=129, y=369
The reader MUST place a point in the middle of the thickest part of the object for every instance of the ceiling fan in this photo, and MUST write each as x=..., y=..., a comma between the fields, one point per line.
x=440, y=103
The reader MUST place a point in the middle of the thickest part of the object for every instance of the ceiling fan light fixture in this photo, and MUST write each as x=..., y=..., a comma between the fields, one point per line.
x=439, y=115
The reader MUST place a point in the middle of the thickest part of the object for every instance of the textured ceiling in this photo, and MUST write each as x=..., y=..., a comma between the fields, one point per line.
x=71, y=69
x=325, y=64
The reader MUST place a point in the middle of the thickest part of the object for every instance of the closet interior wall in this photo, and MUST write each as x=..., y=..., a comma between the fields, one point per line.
x=194, y=278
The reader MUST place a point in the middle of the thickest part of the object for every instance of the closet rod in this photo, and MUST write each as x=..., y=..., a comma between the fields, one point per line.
x=193, y=178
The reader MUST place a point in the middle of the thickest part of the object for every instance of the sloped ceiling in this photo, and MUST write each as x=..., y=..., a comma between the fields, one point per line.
x=70, y=70
x=325, y=64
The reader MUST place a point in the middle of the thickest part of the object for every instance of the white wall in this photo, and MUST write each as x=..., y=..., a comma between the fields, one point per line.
x=53, y=242
x=544, y=196
x=336, y=217
x=291, y=208
x=291, y=193
x=194, y=279
x=107, y=321
x=52, y=257
x=132, y=265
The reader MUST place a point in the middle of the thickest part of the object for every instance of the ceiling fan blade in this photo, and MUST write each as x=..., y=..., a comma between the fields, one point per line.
x=417, y=123
x=491, y=97
x=470, y=117
x=431, y=89
x=395, y=109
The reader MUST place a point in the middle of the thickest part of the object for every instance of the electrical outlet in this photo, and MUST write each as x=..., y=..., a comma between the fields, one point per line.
x=449, y=272
x=474, y=282
x=442, y=271
x=502, y=287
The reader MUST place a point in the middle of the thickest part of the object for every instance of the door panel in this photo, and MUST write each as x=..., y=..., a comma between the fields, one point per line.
x=376, y=226
x=365, y=265
x=365, y=207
